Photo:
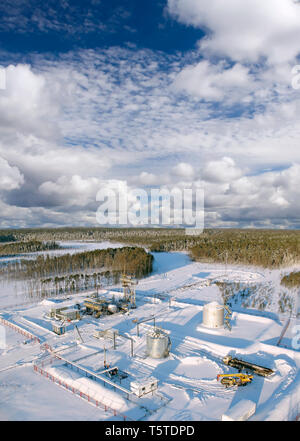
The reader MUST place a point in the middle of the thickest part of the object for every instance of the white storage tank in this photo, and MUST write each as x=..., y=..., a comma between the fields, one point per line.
x=158, y=344
x=112, y=308
x=213, y=315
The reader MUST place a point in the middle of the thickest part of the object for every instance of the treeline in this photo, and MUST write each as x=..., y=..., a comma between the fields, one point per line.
x=31, y=246
x=265, y=248
x=7, y=238
x=70, y=284
x=136, y=236
x=135, y=261
x=291, y=280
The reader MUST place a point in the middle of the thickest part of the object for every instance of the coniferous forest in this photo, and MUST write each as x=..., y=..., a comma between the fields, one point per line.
x=133, y=260
x=291, y=280
x=265, y=248
x=84, y=270
x=31, y=246
x=7, y=238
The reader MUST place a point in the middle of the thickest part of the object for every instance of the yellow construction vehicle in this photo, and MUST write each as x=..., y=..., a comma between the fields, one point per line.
x=235, y=379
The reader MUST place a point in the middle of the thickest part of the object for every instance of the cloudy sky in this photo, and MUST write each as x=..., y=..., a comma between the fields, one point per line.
x=152, y=94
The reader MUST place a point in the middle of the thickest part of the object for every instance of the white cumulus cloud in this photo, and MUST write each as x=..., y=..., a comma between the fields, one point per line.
x=244, y=30
x=10, y=177
x=213, y=82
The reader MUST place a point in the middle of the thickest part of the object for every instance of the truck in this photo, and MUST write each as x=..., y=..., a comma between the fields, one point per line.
x=234, y=379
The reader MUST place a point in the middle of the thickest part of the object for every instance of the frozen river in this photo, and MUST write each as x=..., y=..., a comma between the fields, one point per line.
x=164, y=262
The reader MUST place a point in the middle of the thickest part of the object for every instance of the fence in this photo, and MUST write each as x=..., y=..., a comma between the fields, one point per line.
x=77, y=392
x=46, y=347
x=20, y=330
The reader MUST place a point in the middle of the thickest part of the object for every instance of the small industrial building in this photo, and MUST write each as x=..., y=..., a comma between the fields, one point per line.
x=144, y=387
x=65, y=313
x=58, y=328
x=108, y=333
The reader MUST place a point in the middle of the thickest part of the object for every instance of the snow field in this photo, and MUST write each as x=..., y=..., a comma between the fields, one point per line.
x=187, y=378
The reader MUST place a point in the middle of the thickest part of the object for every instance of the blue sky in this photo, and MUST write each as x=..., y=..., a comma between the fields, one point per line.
x=61, y=26
x=152, y=94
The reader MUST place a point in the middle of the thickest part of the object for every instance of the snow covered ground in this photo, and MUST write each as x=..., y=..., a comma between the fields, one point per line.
x=187, y=379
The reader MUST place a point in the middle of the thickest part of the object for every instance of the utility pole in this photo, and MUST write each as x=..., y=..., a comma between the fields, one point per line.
x=104, y=351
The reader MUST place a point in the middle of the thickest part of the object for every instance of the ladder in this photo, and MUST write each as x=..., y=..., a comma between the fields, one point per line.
x=227, y=318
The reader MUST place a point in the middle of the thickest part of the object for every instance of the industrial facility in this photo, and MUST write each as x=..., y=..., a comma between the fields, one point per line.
x=131, y=352
x=156, y=340
x=95, y=306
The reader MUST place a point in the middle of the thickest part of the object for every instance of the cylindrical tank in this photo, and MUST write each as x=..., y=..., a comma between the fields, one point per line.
x=213, y=315
x=158, y=344
x=112, y=308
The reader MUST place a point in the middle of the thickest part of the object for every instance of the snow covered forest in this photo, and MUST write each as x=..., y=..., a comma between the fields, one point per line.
x=265, y=248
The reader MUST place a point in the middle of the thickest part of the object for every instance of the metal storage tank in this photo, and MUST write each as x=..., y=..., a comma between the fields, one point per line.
x=112, y=308
x=158, y=344
x=213, y=315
